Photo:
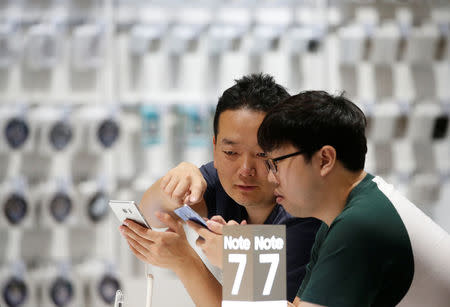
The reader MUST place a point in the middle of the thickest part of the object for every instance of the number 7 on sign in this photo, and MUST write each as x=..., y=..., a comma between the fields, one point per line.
x=273, y=259
x=242, y=260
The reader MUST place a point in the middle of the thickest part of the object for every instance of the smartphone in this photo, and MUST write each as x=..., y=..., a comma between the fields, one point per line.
x=186, y=213
x=127, y=209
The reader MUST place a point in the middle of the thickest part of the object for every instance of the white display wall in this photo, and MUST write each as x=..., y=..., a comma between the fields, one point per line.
x=98, y=99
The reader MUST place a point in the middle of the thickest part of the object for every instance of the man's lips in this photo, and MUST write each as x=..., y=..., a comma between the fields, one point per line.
x=246, y=187
x=279, y=199
x=278, y=196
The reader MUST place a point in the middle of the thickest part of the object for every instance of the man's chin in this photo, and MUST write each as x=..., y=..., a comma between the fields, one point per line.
x=289, y=206
x=250, y=199
x=251, y=202
x=279, y=200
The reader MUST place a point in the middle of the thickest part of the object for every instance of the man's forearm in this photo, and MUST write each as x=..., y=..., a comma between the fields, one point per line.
x=155, y=200
x=299, y=303
x=201, y=285
x=182, y=184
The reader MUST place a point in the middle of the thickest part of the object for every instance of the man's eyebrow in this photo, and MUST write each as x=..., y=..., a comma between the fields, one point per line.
x=228, y=142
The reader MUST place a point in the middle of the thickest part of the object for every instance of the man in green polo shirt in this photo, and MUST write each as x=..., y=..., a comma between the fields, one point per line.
x=375, y=247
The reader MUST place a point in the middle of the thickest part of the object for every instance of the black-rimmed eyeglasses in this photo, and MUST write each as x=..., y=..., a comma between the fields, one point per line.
x=271, y=164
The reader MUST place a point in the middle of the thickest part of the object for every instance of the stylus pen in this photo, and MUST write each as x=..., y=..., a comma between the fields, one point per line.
x=119, y=299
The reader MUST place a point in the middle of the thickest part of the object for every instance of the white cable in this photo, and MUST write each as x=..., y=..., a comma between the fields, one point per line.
x=119, y=299
x=148, y=302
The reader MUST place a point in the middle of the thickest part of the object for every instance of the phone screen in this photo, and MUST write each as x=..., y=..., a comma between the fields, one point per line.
x=128, y=210
x=186, y=213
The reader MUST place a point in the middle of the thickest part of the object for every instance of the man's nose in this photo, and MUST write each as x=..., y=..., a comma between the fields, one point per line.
x=272, y=178
x=248, y=167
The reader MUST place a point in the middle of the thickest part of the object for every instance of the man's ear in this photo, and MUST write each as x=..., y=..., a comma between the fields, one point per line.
x=326, y=159
x=214, y=150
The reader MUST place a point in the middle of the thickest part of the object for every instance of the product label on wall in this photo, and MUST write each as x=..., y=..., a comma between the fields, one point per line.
x=196, y=126
x=151, y=125
x=254, y=265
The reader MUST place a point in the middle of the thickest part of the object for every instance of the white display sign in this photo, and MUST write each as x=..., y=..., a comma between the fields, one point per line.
x=254, y=265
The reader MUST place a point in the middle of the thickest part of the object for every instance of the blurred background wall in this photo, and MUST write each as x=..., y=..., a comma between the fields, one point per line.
x=99, y=98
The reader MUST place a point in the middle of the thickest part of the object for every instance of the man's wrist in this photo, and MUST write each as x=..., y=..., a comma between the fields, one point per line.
x=190, y=262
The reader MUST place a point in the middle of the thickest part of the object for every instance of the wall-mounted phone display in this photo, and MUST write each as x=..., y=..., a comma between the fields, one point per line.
x=97, y=207
x=60, y=207
x=107, y=288
x=15, y=209
x=16, y=132
x=15, y=292
x=60, y=135
x=61, y=292
x=108, y=132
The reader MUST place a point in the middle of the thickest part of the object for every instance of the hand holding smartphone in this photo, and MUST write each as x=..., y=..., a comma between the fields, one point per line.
x=124, y=209
x=186, y=213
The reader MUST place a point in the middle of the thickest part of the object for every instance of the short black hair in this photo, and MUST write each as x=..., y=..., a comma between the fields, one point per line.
x=257, y=92
x=313, y=119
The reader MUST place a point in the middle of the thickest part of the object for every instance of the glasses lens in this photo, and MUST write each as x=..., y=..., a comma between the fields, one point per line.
x=266, y=163
x=270, y=165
